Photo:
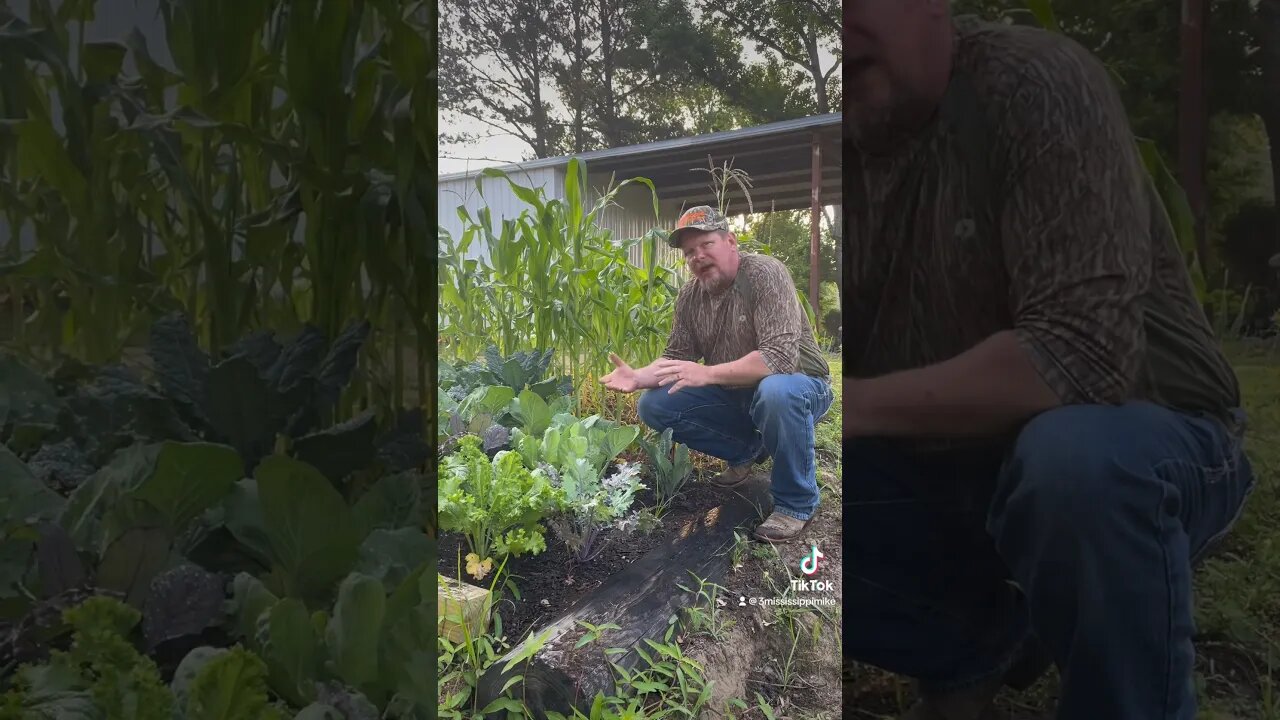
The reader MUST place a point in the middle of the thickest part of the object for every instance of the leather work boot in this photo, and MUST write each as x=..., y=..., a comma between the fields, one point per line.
x=733, y=476
x=978, y=702
x=737, y=474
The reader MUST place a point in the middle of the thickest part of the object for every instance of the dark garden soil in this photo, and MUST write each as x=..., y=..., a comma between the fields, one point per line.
x=552, y=581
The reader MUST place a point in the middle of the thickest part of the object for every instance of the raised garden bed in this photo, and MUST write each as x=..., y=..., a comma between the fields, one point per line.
x=641, y=602
x=552, y=581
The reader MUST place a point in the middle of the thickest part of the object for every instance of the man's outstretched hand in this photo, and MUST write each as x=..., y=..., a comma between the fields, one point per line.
x=623, y=378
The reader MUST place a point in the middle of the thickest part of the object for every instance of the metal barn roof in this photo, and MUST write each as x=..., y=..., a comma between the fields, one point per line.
x=778, y=157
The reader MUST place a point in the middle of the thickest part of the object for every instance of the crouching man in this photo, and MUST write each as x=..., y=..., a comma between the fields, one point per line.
x=764, y=384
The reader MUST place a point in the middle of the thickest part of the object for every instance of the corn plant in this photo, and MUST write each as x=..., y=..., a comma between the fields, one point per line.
x=554, y=279
x=276, y=175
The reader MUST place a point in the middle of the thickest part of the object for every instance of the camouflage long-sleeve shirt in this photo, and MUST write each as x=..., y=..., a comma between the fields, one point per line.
x=759, y=311
x=1071, y=249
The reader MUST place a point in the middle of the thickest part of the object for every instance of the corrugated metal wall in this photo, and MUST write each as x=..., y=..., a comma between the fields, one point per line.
x=495, y=194
x=630, y=215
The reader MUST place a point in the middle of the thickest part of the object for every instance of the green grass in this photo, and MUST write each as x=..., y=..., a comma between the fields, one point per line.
x=1238, y=590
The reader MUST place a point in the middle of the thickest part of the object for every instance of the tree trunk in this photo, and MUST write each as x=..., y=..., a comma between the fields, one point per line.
x=815, y=71
x=612, y=133
x=577, y=75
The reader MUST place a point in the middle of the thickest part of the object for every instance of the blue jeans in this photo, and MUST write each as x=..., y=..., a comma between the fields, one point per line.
x=1081, y=534
x=733, y=424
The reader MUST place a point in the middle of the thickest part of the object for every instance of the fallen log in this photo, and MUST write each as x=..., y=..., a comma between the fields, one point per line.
x=640, y=600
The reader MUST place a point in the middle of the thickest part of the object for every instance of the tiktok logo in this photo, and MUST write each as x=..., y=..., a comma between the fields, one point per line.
x=809, y=563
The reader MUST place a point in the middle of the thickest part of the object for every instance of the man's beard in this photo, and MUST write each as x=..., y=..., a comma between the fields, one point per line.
x=715, y=281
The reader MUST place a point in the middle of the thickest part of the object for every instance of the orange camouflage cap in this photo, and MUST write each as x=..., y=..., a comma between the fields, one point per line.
x=702, y=217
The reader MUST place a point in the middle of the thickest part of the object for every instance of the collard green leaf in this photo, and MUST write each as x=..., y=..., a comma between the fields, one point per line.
x=239, y=408
x=354, y=630
x=90, y=503
x=488, y=400
x=392, y=502
x=131, y=562
x=312, y=534
x=532, y=412
x=293, y=653
x=244, y=520
x=249, y=600
x=188, y=479
x=180, y=365
x=391, y=555
x=615, y=440
x=60, y=566
x=408, y=631
x=342, y=449
x=182, y=601
x=23, y=498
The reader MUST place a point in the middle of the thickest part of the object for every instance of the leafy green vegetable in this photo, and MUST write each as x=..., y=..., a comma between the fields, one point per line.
x=231, y=686
x=497, y=505
x=131, y=562
x=353, y=633
x=188, y=479
x=390, y=555
x=393, y=502
x=189, y=669
x=567, y=440
x=342, y=449
x=242, y=513
x=292, y=651
x=311, y=530
x=592, y=505
x=671, y=465
x=181, y=601
x=122, y=682
x=250, y=598
x=576, y=453
x=23, y=499
x=48, y=692
x=90, y=503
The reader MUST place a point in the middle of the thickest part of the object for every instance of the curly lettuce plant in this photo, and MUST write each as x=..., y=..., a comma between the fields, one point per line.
x=498, y=504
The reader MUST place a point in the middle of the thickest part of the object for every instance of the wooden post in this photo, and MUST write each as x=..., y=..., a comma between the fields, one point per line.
x=1193, y=114
x=815, y=225
x=459, y=603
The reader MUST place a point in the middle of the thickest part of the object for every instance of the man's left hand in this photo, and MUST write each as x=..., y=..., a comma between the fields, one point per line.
x=680, y=374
